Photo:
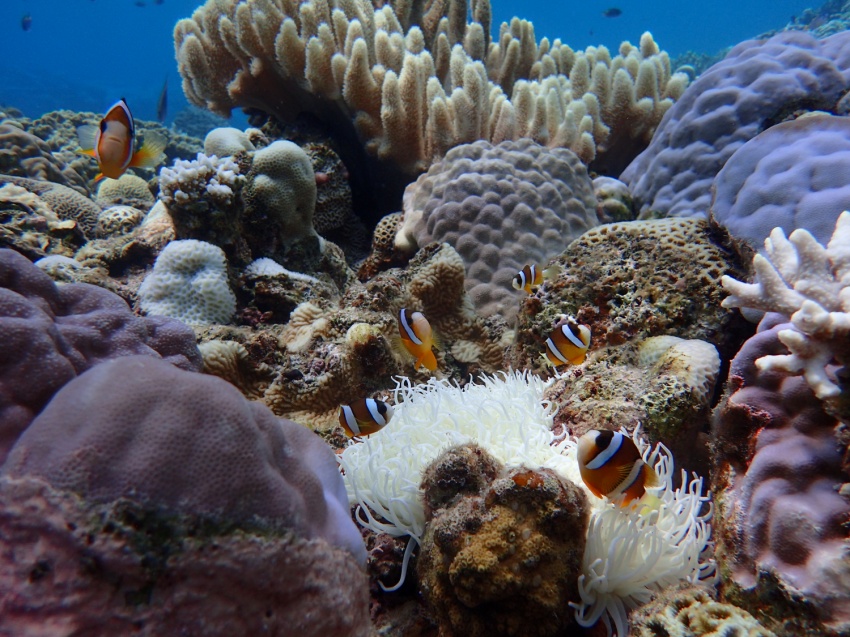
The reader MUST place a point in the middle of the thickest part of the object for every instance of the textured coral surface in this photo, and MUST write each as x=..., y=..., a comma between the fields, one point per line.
x=503, y=554
x=70, y=568
x=781, y=523
x=758, y=84
x=501, y=207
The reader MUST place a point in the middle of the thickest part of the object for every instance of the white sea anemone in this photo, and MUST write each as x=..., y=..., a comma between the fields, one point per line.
x=634, y=552
x=629, y=555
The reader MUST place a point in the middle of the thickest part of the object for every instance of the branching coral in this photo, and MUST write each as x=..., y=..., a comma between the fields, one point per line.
x=412, y=92
x=810, y=284
x=629, y=556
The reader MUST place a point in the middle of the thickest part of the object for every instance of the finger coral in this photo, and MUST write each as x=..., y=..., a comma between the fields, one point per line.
x=809, y=284
x=410, y=90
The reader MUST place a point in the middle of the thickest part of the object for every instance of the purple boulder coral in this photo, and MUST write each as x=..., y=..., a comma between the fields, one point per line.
x=758, y=84
x=780, y=518
x=793, y=175
x=53, y=333
x=139, y=428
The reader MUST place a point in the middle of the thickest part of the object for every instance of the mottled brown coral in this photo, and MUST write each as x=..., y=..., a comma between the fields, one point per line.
x=637, y=279
x=30, y=226
x=22, y=154
x=66, y=203
x=503, y=558
x=693, y=612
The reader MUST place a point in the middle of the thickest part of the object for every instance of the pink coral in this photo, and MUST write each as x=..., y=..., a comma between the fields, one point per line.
x=780, y=516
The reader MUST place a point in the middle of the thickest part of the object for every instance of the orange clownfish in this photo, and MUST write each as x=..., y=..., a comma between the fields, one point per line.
x=611, y=465
x=364, y=417
x=113, y=141
x=568, y=343
x=531, y=277
x=417, y=338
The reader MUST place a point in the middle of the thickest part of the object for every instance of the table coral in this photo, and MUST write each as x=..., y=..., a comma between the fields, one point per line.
x=781, y=522
x=53, y=333
x=807, y=283
x=758, y=84
x=185, y=443
x=633, y=280
x=501, y=207
x=122, y=569
x=793, y=175
x=501, y=559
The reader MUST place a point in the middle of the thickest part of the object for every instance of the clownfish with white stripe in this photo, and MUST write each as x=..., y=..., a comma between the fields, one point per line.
x=531, y=277
x=568, y=343
x=610, y=464
x=112, y=143
x=418, y=338
x=364, y=417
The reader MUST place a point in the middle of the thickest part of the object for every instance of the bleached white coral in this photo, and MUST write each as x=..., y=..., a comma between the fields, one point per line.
x=810, y=285
x=190, y=182
x=629, y=556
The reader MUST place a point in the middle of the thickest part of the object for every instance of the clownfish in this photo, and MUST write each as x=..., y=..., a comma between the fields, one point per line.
x=611, y=465
x=364, y=417
x=112, y=143
x=531, y=277
x=568, y=343
x=417, y=338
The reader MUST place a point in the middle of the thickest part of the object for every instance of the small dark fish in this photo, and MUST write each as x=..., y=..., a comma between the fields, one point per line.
x=613, y=12
x=158, y=1
x=140, y=3
x=162, y=103
x=26, y=22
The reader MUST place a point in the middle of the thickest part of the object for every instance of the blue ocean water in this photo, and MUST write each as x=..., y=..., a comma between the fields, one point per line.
x=84, y=54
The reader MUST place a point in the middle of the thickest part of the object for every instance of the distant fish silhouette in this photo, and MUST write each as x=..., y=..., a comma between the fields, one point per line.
x=613, y=12
x=141, y=3
x=162, y=103
x=26, y=22
x=158, y=1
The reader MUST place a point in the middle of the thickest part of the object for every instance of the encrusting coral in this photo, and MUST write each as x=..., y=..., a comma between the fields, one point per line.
x=810, y=285
x=502, y=552
x=413, y=86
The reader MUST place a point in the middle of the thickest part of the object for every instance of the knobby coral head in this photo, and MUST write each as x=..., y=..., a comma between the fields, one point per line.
x=630, y=555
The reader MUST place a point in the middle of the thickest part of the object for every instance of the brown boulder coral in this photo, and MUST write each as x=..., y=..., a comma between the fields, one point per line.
x=504, y=554
x=633, y=280
x=22, y=154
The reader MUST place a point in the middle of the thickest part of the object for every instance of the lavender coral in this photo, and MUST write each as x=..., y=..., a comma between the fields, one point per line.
x=809, y=284
x=758, y=84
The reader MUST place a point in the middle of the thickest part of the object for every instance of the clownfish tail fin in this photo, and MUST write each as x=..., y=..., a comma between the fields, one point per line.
x=551, y=273
x=151, y=152
x=86, y=135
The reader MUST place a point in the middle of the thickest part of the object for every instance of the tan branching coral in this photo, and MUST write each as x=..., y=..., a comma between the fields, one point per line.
x=415, y=80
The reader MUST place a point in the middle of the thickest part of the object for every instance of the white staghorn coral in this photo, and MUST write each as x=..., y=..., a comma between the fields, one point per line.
x=628, y=556
x=810, y=284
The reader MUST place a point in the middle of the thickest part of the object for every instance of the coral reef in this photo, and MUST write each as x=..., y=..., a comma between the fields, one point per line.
x=757, y=85
x=121, y=569
x=117, y=220
x=189, y=283
x=407, y=88
x=632, y=280
x=808, y=284
x=501, y=207
x=790, y=176
x=29, y=225
x=500, y=559
x=693, y=612
x=781, y=521
x=66, y=203
x=22, y=154
x=53, y=333
x=127, y=190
